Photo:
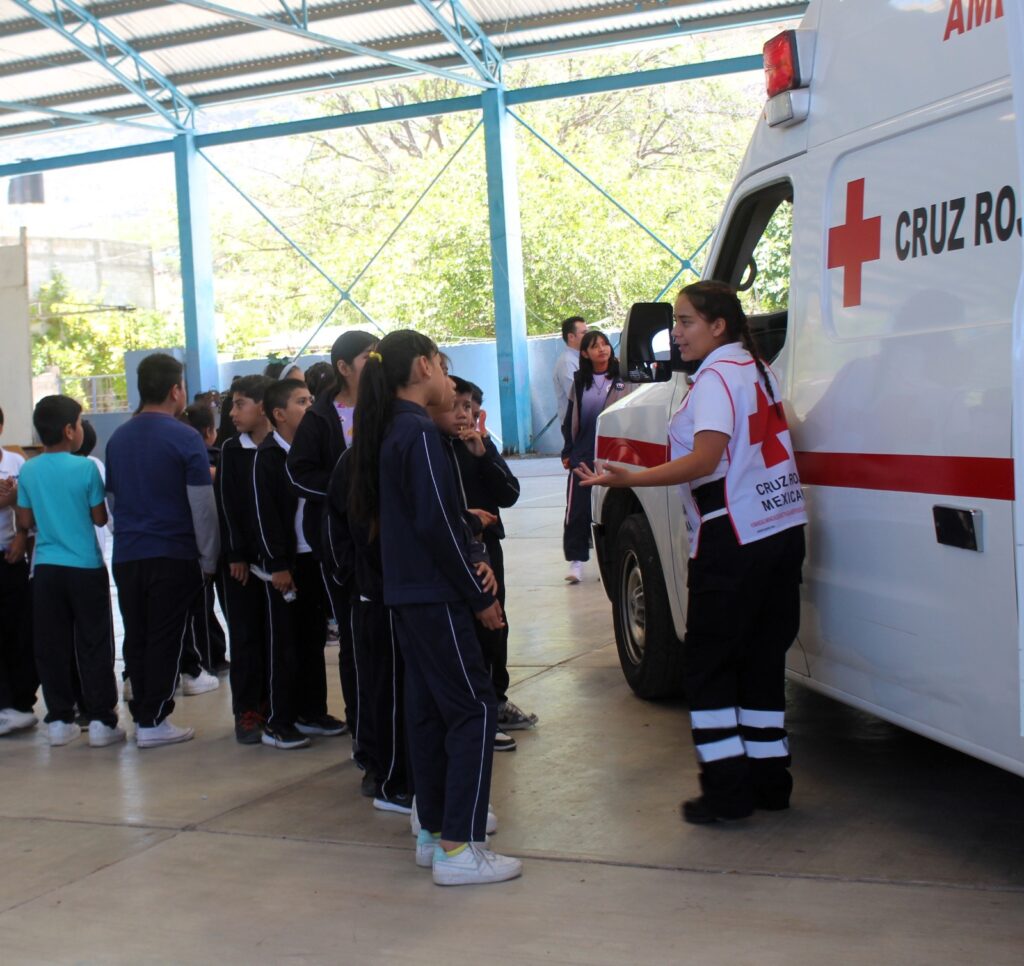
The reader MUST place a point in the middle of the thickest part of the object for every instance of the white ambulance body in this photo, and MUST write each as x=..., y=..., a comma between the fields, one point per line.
x=876, y=228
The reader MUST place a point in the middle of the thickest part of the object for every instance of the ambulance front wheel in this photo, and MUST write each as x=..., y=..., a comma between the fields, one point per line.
x=649, y=651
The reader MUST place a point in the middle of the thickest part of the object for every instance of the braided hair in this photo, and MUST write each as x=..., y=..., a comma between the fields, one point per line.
x=716, y=300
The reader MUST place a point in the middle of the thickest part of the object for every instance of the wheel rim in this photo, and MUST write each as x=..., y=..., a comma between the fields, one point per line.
x=632, y=608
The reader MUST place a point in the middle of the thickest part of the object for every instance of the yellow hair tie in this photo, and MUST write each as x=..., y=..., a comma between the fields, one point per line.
x=375, y=355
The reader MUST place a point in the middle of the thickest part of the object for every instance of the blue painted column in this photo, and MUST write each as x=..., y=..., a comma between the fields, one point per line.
x=196, y=266
x=507, y=272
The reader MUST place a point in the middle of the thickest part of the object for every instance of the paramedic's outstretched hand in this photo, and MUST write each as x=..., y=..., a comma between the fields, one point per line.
x=609, y=475
x=473, y=440
x=492, y=618
x=486, y=518
x=240, y=572
x=282, y=581
x=487, y=579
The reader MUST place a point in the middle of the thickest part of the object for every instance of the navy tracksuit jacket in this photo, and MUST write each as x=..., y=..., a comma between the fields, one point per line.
x=432, y=587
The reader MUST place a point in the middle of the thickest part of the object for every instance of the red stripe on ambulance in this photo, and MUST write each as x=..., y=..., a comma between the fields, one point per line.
x=965, y=476
x=984, y=478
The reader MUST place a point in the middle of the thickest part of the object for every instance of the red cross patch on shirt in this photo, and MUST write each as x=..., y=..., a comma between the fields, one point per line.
x=765, y=426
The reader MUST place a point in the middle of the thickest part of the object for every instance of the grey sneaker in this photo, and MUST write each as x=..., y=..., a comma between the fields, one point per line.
x=513, y=718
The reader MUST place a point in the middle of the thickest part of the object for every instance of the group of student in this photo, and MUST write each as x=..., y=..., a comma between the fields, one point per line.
x=375, y=502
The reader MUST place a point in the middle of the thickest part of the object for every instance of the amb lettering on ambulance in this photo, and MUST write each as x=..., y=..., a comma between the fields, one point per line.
x=892, y=182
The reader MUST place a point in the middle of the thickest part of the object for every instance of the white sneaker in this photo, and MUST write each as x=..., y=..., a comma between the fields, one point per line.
x=126, y=690
x=164, y=733
x=101, y=735
x=62, y=732
x=414, y=820
x=575, y=574
x=200, y=684
x=12, y=720
x=426, y=849
x=474, y=865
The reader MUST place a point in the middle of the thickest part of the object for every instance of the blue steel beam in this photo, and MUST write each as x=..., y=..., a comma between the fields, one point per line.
x=196, y=266
x=465, y=34
x=414, y=66
x=507, y=274
x=403, y=112
x=114, y=54
x=640, y=78
x=24, y=107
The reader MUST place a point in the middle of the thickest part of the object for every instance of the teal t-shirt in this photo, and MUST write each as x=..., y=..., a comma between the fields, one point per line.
x=60, y=490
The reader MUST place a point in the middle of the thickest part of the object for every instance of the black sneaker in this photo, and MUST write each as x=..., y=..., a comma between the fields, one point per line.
x=697, y=811
x=400, y=802
x=368, y=786
x=513, y=718
x=504, y=742
x=324, y=724
x=284, y=736
x=249, y=728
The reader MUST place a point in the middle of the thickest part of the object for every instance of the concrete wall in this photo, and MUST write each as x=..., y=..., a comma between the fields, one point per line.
x=16, y=352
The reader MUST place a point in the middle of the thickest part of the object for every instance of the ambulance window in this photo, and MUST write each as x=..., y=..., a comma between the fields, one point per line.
x=755, y=259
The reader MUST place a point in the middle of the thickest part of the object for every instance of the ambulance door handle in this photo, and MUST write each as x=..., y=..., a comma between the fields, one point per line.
x=957, y=526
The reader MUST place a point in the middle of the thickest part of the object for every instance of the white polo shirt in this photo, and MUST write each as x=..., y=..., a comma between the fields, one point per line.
x=10, y=468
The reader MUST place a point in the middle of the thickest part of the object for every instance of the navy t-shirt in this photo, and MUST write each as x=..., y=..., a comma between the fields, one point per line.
x=151, y=461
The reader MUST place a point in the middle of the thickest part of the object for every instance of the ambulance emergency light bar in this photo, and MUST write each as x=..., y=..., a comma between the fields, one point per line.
x=788, y=59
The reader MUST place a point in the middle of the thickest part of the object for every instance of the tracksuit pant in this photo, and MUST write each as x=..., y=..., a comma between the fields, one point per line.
x=208, y=647
x=576, y=527
x=244, y=609
x=743, y=614
x=310, y=618
x=353, y=691
x=451, y=715
x=19, y=679
x=384, y=689
x=157, y=597
x=72, y=626
x=296, y=633
x=495, y=643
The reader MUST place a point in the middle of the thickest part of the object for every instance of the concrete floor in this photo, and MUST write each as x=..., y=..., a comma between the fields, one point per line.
x=897, y=850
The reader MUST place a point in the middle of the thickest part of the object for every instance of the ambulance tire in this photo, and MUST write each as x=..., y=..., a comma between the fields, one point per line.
x=650, y=653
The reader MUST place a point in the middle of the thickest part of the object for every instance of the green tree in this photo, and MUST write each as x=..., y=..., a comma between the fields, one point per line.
x=70, y=334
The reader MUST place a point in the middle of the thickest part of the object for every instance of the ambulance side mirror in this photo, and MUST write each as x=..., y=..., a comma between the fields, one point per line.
x=646, y=351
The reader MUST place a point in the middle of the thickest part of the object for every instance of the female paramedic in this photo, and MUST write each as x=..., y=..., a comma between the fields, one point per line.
x=732, y=456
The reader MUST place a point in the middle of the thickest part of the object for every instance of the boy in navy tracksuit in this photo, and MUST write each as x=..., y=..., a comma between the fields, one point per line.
x=404, y=483
x=244, y=598
x=357, y=569
x=296, y=618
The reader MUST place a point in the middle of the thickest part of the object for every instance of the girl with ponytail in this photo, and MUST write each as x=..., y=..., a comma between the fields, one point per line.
x=733, y=461
x=402, y=488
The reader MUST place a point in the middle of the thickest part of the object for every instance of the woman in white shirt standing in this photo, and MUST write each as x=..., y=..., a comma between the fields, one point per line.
x=732, y=457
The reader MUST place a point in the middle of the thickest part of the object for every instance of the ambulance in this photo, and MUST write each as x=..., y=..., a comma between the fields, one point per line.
x=874, y=233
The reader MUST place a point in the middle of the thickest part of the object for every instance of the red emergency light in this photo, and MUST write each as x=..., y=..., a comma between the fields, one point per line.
x=782, y=64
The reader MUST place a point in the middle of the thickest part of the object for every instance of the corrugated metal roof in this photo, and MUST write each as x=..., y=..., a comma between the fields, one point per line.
x=214, y=59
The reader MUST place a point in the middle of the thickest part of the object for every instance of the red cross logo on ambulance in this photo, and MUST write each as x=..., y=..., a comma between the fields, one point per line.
x=854, y=243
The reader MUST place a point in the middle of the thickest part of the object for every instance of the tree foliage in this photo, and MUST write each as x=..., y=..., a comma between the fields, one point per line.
x=668, y=154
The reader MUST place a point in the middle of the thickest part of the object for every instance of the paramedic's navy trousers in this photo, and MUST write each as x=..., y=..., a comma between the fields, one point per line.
x=743, y=613
x=451, y=716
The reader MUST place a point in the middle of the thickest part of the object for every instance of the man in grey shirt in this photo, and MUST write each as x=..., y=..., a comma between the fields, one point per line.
x=573, y=330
